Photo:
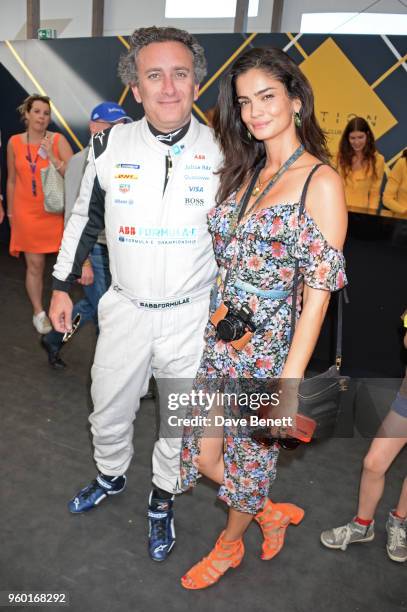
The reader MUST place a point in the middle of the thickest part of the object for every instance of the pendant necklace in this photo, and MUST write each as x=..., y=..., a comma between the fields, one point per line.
x=260, y=184
x=273, y=179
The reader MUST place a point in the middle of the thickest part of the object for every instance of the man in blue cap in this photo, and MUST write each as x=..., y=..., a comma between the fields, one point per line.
x=95, y=277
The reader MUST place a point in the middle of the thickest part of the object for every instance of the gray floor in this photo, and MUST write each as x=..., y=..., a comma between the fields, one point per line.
x=100, y=558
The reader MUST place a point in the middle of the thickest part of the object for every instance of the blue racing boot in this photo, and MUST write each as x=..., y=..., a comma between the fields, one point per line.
x=95, y=492
x=161, y=532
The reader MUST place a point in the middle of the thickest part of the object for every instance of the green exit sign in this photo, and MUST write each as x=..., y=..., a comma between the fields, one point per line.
x=45, y=33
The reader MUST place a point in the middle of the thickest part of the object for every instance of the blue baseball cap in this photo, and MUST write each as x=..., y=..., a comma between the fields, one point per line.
x=110, y=112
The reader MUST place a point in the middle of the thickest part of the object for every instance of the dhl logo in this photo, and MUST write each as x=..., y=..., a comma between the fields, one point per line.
x=126, y=177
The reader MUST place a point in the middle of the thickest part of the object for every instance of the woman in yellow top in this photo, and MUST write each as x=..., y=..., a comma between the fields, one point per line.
x=395, y=194
x=360, y=165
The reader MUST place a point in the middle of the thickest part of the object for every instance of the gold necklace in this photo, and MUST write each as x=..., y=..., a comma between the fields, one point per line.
x=260, y=185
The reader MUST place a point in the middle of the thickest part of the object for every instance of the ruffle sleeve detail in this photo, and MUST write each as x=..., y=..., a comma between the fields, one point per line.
x=322, y=266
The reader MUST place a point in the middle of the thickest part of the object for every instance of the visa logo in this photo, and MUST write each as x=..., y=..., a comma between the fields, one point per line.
x=195, y=189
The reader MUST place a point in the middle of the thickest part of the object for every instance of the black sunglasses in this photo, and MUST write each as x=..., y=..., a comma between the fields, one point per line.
x=75, y=324
x=264, y=438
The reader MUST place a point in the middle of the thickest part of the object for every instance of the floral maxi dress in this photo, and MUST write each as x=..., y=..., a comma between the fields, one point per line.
x=262, y=256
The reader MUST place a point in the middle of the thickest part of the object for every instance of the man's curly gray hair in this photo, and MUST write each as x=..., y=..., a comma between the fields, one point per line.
x=142, y=37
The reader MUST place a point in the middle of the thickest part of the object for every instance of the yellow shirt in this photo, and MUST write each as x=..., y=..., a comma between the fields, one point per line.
x=361, y=189
x=395, y=194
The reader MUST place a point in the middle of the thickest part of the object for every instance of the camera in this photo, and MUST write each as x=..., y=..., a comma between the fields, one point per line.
x=235, y=323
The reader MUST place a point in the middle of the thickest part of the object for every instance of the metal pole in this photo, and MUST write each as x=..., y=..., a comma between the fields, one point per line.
x=277, y=15
x=98, y=9
x=33, y=18
x=242, y=9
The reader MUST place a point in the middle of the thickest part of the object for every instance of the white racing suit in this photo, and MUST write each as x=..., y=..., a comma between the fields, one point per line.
x=162, y=264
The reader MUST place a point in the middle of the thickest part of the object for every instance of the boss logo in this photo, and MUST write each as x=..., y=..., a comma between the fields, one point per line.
x=195, y=189
x=194, y=202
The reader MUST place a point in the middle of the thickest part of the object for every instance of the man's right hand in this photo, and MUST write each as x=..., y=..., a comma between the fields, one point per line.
x=60, y=311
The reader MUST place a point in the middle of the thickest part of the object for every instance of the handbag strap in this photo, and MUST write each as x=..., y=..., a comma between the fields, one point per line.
x=340, y=294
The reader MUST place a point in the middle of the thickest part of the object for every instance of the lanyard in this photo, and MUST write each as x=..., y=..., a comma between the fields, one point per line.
x=245, y=199
x=299, y=151
x=33, y=167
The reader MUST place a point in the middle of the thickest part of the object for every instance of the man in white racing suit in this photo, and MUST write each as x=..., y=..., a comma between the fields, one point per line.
x=150, y=184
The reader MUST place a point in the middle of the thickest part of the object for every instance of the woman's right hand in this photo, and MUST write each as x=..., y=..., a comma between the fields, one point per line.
x=284, y=407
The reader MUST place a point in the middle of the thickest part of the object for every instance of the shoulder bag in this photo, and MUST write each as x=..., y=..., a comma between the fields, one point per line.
x=53, y=188
x=320, y=396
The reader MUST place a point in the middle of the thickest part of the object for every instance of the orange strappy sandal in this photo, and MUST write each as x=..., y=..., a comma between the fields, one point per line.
x=274, y=520
x=205, y=573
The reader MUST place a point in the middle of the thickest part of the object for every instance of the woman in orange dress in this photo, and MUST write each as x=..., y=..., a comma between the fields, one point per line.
x=34, y=231
x=360, y=165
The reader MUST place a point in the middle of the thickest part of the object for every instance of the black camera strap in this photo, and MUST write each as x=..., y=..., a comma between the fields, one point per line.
x=242, y=208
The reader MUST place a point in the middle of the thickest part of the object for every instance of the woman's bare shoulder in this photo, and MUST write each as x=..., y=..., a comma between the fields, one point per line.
x=326, y=204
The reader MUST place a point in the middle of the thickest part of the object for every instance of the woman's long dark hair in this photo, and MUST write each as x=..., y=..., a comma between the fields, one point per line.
x=242, y=154
x=346, y=152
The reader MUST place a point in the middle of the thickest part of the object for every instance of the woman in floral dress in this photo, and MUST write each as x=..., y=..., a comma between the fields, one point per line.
x=264, y=118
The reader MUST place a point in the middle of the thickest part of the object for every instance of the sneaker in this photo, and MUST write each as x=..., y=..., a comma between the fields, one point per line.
x=41, y=323
x=54, y=359
x=161, y=532
x=340, y=537
x=396, y=538
x=95, y=492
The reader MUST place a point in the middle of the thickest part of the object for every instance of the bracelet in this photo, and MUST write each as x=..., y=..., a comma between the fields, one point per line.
x=86, y=263
x=60, y=166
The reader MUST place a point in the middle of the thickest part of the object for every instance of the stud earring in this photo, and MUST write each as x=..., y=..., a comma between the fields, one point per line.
x=297, y=119
x=249, y=135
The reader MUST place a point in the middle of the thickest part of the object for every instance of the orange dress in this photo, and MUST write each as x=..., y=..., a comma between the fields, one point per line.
x=33, y=230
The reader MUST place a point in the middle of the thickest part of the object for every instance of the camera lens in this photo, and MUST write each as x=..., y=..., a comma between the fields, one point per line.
x=226, y=329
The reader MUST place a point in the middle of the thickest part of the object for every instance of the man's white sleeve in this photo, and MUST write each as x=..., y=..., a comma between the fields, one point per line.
x=81, y=232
